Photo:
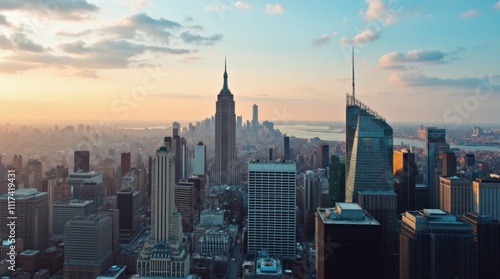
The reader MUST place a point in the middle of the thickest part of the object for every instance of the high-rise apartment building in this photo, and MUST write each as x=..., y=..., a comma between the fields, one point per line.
x=226, y=168
x=271, y=207
x=348, y=243
x=31, y=209
x=434, y=244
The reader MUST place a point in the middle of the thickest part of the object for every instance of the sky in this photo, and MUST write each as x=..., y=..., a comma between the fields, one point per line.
x=137, y=60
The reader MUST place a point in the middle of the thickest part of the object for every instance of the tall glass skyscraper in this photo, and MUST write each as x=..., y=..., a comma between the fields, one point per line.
x=369, y=150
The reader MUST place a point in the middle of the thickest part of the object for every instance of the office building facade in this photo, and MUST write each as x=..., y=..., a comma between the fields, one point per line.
x=88, y=246
x=434, y=244
x=31, y=209
x=271, y=207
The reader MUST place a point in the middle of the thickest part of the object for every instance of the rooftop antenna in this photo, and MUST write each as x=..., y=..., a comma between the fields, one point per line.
x=353, y=88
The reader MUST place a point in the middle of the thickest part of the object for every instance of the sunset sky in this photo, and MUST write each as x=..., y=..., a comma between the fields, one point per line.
x=121, y=60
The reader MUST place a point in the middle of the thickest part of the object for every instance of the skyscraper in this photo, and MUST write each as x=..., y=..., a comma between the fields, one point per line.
x=88, y=246
x=337, y=180
x=405, y=171
x=166, y=222
x=448, y=163
x=165, y=254
x=370, y=154
x=35, y=177
x=178, y=146
x=225, y=169
x=487, y=236
x=348, y=243
x=125, y=163
x=82, y=161
x=200, y=159
x=485, y=197
x=255, y=117
x=32, y=212
x=435, y=140
x=434, y=244
x=323, y=155
x=455, y=195
x=286, y=148
x=128, y=202
x=271, y=207
x=63, y=211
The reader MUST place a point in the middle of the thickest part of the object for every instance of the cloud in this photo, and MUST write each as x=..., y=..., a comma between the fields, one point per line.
x=22, y=43
x=497, y=5
x=323, y=39
x=242, y=5
x=188, y=37
x=274, y=8
x=214, y=8
x=416, y=55
x=77, y=47
x=469, y=14
x=178, y=96
x=378, y=10
x=63, y=9
x=417, y=79
x=73, y=34
x=140, y=5
x=3, y=21
x=5, y=42
x=104, y=54
x=15, y=67
x=136, y=25
x=134, y=41
x=364, y=37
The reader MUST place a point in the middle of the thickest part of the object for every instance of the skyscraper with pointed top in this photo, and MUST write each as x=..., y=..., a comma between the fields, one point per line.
x=225, y=169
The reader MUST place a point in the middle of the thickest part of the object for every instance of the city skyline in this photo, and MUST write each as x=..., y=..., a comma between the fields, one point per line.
x=153, y=60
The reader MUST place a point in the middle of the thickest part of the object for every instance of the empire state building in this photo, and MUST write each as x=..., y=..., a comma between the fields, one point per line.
x=226, y=169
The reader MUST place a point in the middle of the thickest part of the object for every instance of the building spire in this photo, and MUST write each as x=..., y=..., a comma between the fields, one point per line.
x=225, y=87
x=353, y=87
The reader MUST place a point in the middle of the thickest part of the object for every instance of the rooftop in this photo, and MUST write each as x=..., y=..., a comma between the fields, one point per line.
x=346, y=213
x=113, y=272
x=24, y=194
x=29, y=252
x=267, y=265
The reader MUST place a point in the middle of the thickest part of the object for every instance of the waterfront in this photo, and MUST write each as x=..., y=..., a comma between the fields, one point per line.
x=337, y=134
